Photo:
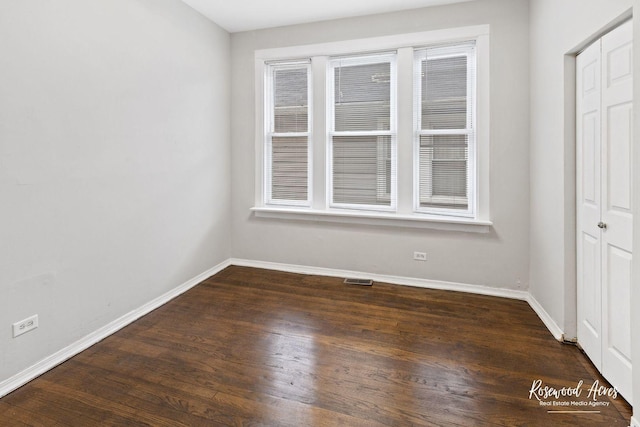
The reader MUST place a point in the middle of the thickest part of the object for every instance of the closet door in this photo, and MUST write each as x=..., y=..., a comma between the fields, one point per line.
x=604, y=204
x=617, y=209
x=588, y=185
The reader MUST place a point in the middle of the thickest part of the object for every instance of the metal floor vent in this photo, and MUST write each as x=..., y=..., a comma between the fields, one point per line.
x=359, y=282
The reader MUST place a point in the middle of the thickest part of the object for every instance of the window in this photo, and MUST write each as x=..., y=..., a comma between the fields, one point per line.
x=362, y=132
x=445, y=112
x=399, y=135
x=287, y=138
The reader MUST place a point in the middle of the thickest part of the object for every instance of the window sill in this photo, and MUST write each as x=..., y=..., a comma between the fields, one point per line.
x=376, y=218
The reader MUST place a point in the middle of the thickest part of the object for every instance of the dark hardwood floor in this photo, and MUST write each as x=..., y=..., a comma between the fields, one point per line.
x=251, y=347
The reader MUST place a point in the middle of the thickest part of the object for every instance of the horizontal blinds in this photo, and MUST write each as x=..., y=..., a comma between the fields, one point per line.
x=443, y=171
x=362, y=170
x=289, y=171
x=362, y=94
x=288, y=139
x=362, y=131
x=446, y=126
x=290, y=100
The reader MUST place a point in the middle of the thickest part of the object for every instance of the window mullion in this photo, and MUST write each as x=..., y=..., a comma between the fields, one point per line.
x=289, y=134
x=362, y=133
x=446, y=132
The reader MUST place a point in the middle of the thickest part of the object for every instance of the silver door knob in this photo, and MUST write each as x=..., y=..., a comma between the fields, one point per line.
x=602, y=225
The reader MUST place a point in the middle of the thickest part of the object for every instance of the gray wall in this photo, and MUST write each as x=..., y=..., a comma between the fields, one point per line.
x=114, y=162
x=558, y=30
x=497, y=259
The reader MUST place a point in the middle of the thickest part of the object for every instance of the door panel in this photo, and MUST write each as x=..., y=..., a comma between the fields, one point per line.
x=591, y=291
x=619, y=279
x=590, y=157
x=619, y=167
x=617, y=207
x=588, y=183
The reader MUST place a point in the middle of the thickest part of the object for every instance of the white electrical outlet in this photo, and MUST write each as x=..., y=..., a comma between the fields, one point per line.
x=420, y=256
x=25, y=325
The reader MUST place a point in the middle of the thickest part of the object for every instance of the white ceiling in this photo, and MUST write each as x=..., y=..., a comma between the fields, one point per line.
x=245, y=15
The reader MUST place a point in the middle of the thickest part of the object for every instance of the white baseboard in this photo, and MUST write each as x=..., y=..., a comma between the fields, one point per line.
x=634, y=422
x=396, y=280
x=20, y=379
x=548, y=321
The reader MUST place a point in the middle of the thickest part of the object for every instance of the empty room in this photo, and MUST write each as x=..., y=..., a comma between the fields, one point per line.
x=319, y=213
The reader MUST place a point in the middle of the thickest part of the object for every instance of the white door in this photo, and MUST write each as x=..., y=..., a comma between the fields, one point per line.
x=589, y=196
x=605, y=210
x=617, y=209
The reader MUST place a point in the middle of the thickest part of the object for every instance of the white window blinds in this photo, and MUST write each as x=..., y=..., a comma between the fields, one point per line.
x=362, y=132
x=445, y=82
x=288, y=134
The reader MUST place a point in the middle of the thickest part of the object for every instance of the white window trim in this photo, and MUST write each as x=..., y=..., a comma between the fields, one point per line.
x=343, y=216
x=405, y=215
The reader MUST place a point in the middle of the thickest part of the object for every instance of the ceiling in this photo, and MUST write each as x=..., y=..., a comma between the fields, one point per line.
x=245, y=15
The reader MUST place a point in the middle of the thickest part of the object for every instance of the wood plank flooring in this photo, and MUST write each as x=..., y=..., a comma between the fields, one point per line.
x=251, y=347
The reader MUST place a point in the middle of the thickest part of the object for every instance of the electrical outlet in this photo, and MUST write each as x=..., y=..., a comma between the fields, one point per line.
x=25, y=325
x=420, y=256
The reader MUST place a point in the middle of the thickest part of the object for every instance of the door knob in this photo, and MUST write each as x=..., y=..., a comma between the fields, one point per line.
x=602, y=225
